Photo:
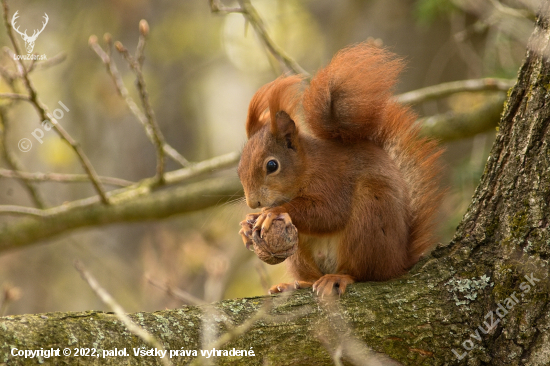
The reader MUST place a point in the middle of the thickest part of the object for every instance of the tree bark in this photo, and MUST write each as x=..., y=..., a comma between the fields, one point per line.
x=494, y=272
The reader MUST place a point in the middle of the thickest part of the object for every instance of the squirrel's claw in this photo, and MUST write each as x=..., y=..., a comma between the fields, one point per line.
x=287, y=287
x=266, y=218
x=246, y=234
x=281, y=287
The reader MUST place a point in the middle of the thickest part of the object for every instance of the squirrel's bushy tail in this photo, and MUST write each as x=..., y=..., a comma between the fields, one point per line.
x=351, y=99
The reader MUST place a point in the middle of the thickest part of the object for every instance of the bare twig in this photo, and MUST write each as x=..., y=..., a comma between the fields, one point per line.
x=176, y=293
x=205, y=166
x=123, y=92
x=22, y=210
x=231, y=334
x=143, y=33
x=241, y=329
x=252, y=16
x=14, y=164
x=149, y=113
x=264, y=276
x=446, y=89
x=8, y=76
x=9, y=294
x=61, y=178
x=119, y=311
x=41, y=65
x=14, y=96
x=45, y=114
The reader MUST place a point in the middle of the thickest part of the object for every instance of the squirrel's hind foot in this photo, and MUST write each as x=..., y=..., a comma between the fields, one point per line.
x=332, y=284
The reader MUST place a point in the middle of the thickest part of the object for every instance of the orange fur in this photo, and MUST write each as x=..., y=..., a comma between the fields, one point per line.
x=356, y=179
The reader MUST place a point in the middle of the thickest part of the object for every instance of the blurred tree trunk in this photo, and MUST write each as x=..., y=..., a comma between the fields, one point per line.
x=481, y=299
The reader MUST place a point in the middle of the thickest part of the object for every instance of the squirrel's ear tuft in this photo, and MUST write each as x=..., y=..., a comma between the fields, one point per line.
x=258, y=110
x=283, y=128
x=284, y=93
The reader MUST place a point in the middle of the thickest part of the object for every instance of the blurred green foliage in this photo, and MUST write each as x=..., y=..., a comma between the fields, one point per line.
x=427, y=11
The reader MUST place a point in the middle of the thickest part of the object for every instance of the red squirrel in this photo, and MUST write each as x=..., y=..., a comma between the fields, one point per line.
x=341, y=160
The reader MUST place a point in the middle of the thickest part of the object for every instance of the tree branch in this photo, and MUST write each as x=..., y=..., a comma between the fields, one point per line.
x=288, y=333
x=446, y=89
x=14, y=96
x=144, y=97
x=123, y=92
x=14, y=164
x=252, y=16
x=61, y=178
x=56, y=60
x=455, y=126
x=132, y=207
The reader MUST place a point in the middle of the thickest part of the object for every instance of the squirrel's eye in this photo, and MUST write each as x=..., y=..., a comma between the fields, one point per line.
x=272, y=166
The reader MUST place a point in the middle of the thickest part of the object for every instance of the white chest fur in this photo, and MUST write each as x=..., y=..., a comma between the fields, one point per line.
x=324, y=251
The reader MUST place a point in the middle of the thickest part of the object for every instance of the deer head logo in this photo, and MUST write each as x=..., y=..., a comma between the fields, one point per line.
x=29, y=41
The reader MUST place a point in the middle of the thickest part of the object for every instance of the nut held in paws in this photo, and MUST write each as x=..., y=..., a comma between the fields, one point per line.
x=277, y=244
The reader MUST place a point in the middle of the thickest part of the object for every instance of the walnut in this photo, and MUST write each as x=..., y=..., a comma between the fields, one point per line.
x=278, y=243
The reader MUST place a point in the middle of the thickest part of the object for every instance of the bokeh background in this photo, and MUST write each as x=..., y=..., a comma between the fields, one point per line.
x=201, y=70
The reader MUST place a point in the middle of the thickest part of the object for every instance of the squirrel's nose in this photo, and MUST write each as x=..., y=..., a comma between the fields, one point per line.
x=254, y=204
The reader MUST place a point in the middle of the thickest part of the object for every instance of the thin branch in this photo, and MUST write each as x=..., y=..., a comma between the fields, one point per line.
x=252, y=16
x=61, y=178
x=446, y=89
x=149, y=113
x=209, y=317
x=22, y=210
x=45, y=115
x=176, y=293
x=56, y=60
x=8, y=76
x=123, y=92
x=14, y=96
x=143, y=33
x=119, y=312
x=15, y=165
x=203, y=167
x=9, y=294
x=217, y=7
x=241, y=329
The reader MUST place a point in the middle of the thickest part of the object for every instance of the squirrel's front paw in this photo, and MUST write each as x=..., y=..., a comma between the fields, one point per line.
x=266, y=217
x=247, y=227
x=272, y=246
